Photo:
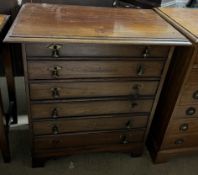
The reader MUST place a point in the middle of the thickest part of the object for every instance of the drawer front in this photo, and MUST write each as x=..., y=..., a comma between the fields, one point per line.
x=183, y=126
x=187, y=111
x=83, y=108
x=111, y=122
x=95, y=50
x=180, y=141
x=56, y=90
x=196, y=59
x=193, y=76
x=85, y=139
x=133, y=148
x=190, y=94
x=93, y=69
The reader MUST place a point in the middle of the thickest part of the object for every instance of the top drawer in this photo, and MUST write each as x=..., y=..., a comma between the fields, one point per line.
x=47, y=50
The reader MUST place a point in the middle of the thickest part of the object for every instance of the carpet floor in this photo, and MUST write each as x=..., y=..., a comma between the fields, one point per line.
x=91, y=164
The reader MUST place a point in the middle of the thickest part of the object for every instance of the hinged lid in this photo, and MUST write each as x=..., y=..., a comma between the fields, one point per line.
x=184, y=19
x=80, y=24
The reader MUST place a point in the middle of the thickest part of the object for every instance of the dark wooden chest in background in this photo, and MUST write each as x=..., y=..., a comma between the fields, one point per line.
x=175, y=127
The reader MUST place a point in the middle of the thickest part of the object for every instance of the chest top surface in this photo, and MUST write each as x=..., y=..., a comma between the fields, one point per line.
x=51, y=23
x=185, y=19
x=3, y=20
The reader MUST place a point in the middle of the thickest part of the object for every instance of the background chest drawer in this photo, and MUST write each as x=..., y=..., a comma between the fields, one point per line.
x=84, y=139
x=93, y=69
x=196, y=59
x=186, y=111
x=193, y=77
x=83, y=108
x=181, y=141
x=183, y=126
x=190, y=94
x=60, y=90
x=92, y=50
x=110, y=122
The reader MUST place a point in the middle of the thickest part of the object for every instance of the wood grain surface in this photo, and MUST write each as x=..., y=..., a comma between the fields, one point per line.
x=46, y=22
x=3, y=20
x=184, y=19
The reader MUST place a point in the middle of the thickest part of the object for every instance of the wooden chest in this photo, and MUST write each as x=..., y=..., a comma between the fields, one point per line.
x=93, y=76
x=175, y=126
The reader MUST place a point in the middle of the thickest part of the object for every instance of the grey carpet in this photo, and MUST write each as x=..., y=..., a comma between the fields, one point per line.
x=91, y=164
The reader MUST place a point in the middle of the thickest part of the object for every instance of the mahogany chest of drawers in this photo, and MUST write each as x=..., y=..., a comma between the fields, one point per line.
x=93, y=78
x=175, y=126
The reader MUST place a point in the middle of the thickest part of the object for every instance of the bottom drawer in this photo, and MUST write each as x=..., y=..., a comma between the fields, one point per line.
x=181, y=141
x=85, y=139
x=135, y=149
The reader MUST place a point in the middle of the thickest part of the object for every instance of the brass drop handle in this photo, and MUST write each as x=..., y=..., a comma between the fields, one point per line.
x=55, y=71
x=55, y=130
x=195, y=95
x=179, y=142
x=184, y=127
x=134, y=104
x=55, y=142
x=55, y=50
x=55, y=113
x=190, y=111
x=135, y=96
x=140, y=70
x=136, y=88
x=146, y=52
x=129, y=124
x=124, y=140
x=55, y=92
